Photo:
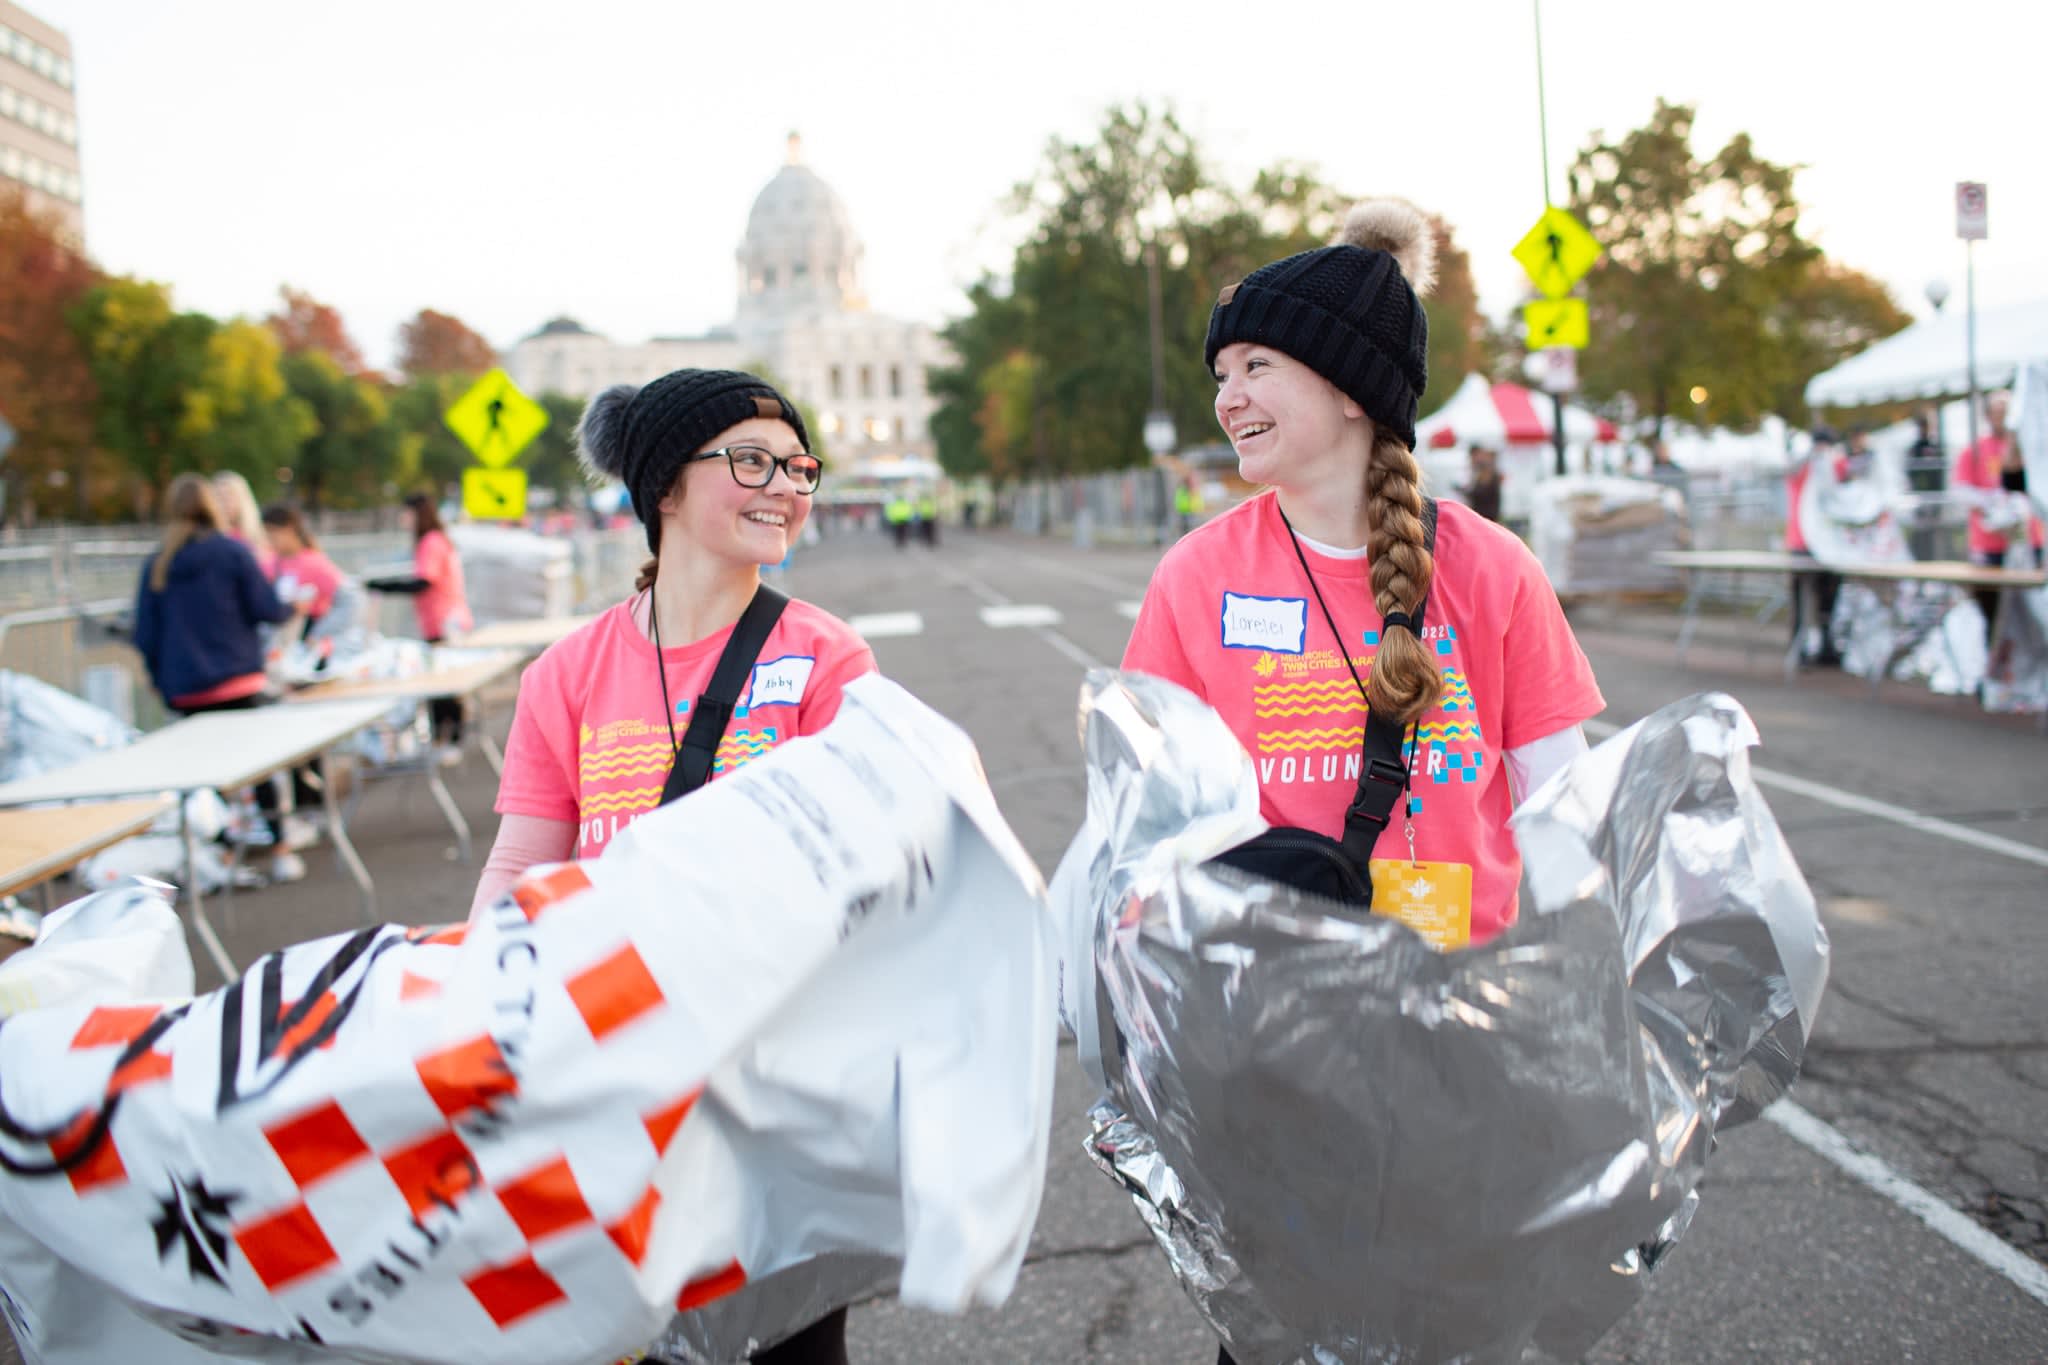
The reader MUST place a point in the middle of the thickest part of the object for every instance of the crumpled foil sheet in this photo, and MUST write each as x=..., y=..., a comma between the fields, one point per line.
x=738, y=1326
x=1354, y=1148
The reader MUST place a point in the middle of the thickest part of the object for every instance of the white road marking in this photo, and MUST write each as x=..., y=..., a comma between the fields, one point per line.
x=1969, y=1237
x=887, y=625
x=1880, y=810
x=1128, y=610
x=1012, y=614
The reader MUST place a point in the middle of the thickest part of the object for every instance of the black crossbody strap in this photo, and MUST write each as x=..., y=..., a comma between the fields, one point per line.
x=1384, y=775
x=712, y=711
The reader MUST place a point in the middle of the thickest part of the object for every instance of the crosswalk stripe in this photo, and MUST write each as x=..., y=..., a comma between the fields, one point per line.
x=887, y=624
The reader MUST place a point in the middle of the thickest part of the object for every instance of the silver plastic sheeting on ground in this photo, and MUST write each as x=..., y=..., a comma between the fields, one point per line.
x=1354, y=1148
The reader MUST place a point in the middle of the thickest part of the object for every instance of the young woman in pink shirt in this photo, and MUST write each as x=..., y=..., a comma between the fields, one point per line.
x=718, y=467
x=1319, y=599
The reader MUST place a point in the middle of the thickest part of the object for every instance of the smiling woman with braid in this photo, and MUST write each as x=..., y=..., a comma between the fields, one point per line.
x=1341, y=601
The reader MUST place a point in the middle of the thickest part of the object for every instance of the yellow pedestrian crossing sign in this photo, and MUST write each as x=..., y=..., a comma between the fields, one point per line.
x=1557, y=252
x=495, y=420
x=493, y=494
x=1555, y=322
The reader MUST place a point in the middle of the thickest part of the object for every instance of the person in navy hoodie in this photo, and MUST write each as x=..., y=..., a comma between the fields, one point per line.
x=198, y=616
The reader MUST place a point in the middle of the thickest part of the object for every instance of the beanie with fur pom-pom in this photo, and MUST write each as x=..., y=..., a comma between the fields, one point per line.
x=643, y=437
x=1352, y=312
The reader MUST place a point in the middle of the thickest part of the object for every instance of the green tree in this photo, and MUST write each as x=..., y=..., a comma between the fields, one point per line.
x=1055, y=371
x=1703, y=263
x=349, y=451
x=145, y=358
x=427, y=456
x=550, y=462
x=237, y=412
x=1834, y=312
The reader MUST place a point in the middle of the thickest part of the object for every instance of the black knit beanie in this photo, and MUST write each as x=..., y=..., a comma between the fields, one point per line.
x=1351, y=312
x=642, y=436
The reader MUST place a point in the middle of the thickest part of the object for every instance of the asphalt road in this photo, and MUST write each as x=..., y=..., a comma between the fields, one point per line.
x=1930, y=1056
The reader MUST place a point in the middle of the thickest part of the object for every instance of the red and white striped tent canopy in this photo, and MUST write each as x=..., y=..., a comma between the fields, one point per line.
x=1500, y=415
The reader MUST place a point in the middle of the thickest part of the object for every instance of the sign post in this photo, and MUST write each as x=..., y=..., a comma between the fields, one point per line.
x=496, y=421
x=1973, y=225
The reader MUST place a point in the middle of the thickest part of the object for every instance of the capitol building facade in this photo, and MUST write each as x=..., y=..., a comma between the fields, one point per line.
x=802, y=315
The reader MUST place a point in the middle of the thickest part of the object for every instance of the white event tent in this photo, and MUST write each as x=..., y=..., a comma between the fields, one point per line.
x=1930, y=358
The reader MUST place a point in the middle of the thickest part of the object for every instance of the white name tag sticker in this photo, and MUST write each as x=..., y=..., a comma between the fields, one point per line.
x=1278, y=624
x=780, y=682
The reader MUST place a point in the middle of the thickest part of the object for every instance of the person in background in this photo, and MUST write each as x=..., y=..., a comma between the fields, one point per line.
x=302, y=573
x=2003, y=531
x=439, y=603
x=1665, y=470
x=244, y=522
x=1482, y=489
x=199, y=613
x=1926, y=474
x=1813, y=590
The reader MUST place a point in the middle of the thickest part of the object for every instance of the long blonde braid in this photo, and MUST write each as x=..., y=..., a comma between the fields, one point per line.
x=1404, y=681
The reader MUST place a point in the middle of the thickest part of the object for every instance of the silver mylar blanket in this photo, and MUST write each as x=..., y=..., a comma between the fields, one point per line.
x=1354, y=1148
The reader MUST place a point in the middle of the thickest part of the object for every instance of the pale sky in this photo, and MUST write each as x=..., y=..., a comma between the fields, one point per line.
x=507, y=161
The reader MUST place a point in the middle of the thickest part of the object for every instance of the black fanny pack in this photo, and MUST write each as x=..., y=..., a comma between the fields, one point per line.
x=1314, y=863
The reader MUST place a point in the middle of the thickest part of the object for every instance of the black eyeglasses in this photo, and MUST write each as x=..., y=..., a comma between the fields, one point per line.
x=753, y=467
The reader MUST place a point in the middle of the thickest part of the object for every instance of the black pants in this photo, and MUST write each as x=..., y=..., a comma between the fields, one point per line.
x=445, y=714
x=822, y=1343
x=1822, y=587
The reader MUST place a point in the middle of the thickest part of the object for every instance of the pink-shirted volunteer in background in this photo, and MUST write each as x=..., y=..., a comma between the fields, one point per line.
x=1342, y=590
x=718, y=467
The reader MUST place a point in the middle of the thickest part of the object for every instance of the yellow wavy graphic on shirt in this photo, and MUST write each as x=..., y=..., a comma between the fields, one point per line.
x=1457, y=694
x=1308, y=741
x=623, y=756
x=1443, y=731
x=1280, y=700
x=741, y=747
x=611, y=771
x=633, y=798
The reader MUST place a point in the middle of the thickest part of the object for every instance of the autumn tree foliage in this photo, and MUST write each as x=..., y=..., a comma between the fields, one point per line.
x=46, y=386
x=434, y=344
x=302, y=323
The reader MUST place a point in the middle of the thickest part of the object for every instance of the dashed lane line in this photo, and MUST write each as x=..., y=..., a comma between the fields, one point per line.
x=887, y=625
x=1970, y=1238
x=1010, y=615
x=1879, y=810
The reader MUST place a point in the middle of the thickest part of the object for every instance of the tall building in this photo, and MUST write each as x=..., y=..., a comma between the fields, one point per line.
x=801, y=313
x=39, y=116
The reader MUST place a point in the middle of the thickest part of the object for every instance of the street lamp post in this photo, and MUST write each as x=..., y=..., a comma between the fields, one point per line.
x=1159, y=434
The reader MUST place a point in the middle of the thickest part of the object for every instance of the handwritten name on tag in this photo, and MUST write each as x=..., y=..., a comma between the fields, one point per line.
x=781, y=682
x=1279, y=624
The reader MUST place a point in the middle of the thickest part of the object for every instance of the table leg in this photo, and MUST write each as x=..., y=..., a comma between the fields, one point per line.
x=337, y=830
x=1690, y=614
x=201, y=925
x=449, y=809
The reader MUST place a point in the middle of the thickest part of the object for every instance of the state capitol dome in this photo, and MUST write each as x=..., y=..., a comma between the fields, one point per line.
x=800, y=255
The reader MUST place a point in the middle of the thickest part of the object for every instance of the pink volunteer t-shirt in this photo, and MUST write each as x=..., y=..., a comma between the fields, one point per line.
x=1230, y=617
x=442, y=607
x=292, y=574
x=589, y=743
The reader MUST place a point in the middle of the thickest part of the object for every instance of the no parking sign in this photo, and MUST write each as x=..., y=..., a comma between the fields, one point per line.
x=1973, y=222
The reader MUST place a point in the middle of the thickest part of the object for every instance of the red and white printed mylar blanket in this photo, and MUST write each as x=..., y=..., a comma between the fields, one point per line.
x=804, y=1011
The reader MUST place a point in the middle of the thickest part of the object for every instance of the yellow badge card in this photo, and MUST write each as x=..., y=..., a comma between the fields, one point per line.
x=1433, y=899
